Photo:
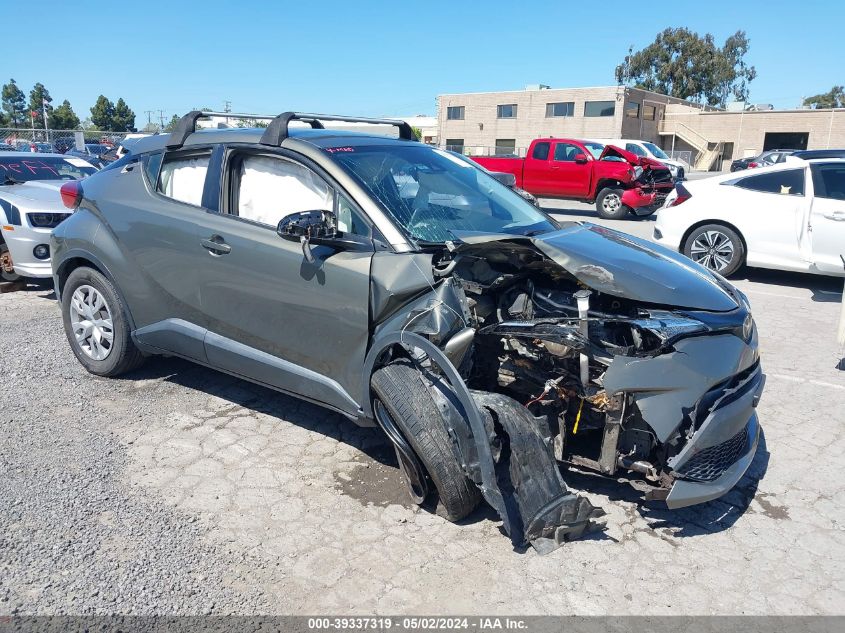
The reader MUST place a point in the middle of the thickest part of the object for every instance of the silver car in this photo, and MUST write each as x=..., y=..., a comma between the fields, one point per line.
x=30, y=208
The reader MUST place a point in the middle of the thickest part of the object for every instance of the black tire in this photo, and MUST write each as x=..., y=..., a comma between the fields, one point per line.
x=609, y=204
x=6, y=276
x=405, y=392
x=725, y=251
x=122, y=355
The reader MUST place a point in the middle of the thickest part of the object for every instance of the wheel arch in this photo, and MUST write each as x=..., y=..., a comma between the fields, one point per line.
x=78, y=258
x=612, y=183
x=701, y=223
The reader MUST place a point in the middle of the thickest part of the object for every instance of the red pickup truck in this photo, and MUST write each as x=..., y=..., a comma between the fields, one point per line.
x=617, y=181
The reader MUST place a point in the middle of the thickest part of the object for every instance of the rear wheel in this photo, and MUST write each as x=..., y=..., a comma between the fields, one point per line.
x=609, y=204
x=7, y=267
x=97, y=325
x=404, y=393
x=717, y=247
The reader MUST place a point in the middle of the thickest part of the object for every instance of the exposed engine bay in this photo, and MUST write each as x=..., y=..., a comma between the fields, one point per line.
x=592, y=373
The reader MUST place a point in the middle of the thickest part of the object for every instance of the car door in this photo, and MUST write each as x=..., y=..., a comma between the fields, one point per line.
x=827, y=217
x=274, y=316
x=154, y=208
x=571, y=178
x=537, y=174
x=770, y=211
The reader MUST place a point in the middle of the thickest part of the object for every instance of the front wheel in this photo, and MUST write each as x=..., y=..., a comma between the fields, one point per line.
x=609, y=204
x=717, y=247
x=7, y=267
x=403, y=392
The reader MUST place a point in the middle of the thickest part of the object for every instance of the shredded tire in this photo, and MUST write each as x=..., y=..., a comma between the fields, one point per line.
x=405, y=392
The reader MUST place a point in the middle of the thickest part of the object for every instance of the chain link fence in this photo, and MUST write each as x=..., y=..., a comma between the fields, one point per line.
x=60, y=141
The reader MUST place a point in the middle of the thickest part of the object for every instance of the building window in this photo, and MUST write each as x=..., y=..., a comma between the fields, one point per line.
x=506, y=111
x=455, y=145
x=455, y=113
x=649, y=112
x=505, y=146
x=599, y=108
x=632, y=110
x=564, y=108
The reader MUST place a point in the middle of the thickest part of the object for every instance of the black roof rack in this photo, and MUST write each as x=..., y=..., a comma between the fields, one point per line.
x=277, y=131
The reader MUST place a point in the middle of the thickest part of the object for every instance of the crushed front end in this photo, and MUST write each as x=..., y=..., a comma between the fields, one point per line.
x=610, y=353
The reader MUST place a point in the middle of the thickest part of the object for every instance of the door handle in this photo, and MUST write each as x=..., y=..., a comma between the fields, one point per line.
x=836, y=216
x=216, y=245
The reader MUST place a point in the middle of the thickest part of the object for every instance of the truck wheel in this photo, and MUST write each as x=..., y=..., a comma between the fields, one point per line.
x=404, y=392
x=717, y=247
x=96, y=324
x=609, y=204
x=6, y=261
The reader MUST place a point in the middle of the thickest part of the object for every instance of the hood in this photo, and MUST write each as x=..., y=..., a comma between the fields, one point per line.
x=630, y=157
x=44, y=193
x=620, y=265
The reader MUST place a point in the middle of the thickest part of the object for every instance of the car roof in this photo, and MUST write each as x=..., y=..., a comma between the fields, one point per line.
x=329, y=137
x=32, y=154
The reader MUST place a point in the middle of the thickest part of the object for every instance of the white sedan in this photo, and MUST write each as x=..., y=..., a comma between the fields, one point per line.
x=790, y=216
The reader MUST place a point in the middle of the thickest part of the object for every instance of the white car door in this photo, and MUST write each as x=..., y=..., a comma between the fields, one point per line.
x=827, y=217
x=773, y=218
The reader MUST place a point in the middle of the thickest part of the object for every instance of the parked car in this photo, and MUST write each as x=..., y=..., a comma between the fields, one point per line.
x=810, y=154
x=95, y=153
x=650, y=150
x=789, y=216
x=765, y=159
x=395, y=284
x=617, y=181
x=30, y=208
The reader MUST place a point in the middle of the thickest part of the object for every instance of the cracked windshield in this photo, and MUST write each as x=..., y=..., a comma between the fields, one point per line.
x=433, y=193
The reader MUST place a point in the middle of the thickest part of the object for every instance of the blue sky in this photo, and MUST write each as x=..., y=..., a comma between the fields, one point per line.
x=388, y=58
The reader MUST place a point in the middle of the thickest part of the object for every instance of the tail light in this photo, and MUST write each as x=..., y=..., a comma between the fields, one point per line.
x=752, y=165
x=683, y=195
x=71, y=193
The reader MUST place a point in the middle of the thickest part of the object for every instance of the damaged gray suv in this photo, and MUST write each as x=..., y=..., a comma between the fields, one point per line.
x=404, y=288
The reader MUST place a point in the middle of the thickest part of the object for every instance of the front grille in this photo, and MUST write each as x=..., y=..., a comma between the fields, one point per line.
x=710, y=463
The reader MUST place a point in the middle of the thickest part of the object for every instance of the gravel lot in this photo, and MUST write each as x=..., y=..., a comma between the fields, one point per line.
x=181, y=490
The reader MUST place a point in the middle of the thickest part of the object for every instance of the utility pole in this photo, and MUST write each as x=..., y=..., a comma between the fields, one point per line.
x=149, y=114
x=227, y=107
x=161, y=118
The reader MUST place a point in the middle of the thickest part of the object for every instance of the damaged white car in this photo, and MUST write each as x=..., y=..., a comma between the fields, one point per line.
x=402, y=287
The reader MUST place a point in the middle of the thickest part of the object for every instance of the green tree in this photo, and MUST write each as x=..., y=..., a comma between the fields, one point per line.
x=64, y=118
x=39, y=100
x=14, y=103
x=417, y=132
x=683, y=64
x=123, y=119
x=833, y=98
x=172, y=124
x=102, y=113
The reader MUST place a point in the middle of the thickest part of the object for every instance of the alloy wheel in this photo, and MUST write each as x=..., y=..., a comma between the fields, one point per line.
x=91, y=321
x=712, y=249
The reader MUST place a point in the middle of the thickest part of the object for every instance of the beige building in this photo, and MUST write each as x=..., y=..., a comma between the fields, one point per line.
x=707, y=138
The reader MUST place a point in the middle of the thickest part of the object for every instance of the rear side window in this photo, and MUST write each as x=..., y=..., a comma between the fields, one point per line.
x=541, y=151
x=182, y=177
x=789, y=182
x=152, y=163
x=829, y=181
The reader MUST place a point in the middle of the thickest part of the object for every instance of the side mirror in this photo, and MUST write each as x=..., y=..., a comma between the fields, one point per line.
x=580, y=158
x=306, y=227
x=508, y=180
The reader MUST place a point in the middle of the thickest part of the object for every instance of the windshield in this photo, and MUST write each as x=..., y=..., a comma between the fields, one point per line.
x=47, y=168
x=594, y=148
x=433, y=194
x=655, y=151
